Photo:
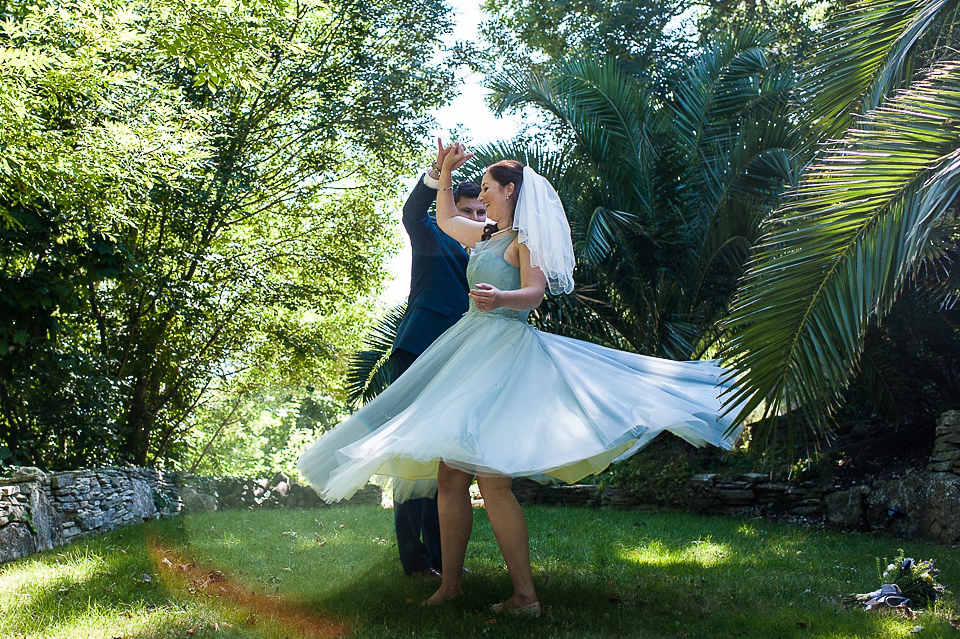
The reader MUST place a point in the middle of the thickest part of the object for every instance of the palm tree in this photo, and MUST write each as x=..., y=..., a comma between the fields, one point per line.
x=875, y=207
x=664, y=187
x=665, y=190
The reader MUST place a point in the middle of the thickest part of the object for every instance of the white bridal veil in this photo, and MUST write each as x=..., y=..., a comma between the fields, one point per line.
x=543, y=228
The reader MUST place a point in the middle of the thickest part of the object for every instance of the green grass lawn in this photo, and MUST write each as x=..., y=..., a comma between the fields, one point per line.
x=599, y=573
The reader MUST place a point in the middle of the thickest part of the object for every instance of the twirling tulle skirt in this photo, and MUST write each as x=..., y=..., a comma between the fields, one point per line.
x=495, y=395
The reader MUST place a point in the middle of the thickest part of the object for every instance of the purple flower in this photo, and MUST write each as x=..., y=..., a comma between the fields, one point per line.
x=907, y=564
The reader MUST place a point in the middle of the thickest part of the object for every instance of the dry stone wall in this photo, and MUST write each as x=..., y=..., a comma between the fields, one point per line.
x=708, y=493
x=40, y=511
x=924, y=504
x=946, y=449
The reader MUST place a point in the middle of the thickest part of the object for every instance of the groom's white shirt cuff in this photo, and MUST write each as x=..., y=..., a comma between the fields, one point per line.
x=430, y=182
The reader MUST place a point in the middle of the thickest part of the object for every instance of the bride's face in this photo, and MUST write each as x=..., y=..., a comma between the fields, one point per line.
x=496, y=199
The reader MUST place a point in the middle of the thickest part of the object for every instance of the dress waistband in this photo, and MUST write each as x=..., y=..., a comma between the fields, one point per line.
x=507, y=313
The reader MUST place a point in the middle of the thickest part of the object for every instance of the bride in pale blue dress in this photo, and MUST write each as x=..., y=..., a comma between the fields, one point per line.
x=494, y=398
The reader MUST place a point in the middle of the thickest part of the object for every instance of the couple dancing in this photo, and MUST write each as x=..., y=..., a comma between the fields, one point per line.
x=494, y=398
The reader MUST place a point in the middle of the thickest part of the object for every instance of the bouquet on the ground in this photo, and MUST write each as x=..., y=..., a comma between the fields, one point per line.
x=916, y=579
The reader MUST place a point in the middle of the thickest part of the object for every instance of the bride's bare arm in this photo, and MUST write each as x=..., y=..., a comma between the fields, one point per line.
x=467, y=232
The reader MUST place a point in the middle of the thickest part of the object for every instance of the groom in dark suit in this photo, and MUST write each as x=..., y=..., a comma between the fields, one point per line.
x=438, y=298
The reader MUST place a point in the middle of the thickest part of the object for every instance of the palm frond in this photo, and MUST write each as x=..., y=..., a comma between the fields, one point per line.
x=576, y=315
x=369, y=371
x=596, y=231
x=838, y=254
x=552, y=163
x=606, y=112
x=736, y=137
x=666, y=194
x=724, y=84
x=867, y=54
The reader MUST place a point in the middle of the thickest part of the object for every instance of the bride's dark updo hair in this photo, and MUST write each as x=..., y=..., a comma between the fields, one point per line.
x=508, y=172
x=505, y=172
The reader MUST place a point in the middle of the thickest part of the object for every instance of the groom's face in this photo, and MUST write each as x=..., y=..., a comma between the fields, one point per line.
x=472, y=209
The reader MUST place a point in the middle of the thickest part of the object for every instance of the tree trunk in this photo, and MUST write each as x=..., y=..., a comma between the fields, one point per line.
x=223, y=424
x=139, y=423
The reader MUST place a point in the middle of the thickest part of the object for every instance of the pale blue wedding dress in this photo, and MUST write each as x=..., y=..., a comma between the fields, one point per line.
x=495, y=395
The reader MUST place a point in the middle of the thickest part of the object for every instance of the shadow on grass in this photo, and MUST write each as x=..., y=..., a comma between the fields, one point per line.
x=136, y=583
x=644, y=602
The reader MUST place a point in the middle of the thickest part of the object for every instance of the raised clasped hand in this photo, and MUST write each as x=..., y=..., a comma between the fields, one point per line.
x=454, y=156
x=486, y=297
x=441, y=153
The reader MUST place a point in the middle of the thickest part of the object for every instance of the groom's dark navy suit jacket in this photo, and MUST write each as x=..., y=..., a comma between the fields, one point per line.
x=438, y=281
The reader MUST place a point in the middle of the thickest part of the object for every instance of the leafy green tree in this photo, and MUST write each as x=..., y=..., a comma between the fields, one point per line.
x=649, y=39
x=83, y=141
x=796, y=23
x=873, y=216
x=82, y=126
x=640, y=34
x=224, y=260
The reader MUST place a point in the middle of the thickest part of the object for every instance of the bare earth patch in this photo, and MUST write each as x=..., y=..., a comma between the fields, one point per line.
x=199, y=579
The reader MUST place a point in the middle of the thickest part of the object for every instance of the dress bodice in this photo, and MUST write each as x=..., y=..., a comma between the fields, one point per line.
x=488, y=266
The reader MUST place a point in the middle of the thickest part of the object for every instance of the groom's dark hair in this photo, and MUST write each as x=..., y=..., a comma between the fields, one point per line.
x=469, y=190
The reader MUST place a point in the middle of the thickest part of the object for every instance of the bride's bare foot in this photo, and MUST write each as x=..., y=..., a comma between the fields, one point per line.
x=442, y=595
x=518, y=605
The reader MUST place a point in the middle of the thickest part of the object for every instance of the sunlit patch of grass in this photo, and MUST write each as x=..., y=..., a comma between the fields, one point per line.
x=702, y=552
x=98, y=587
x=132, y=621
x=72, y=570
